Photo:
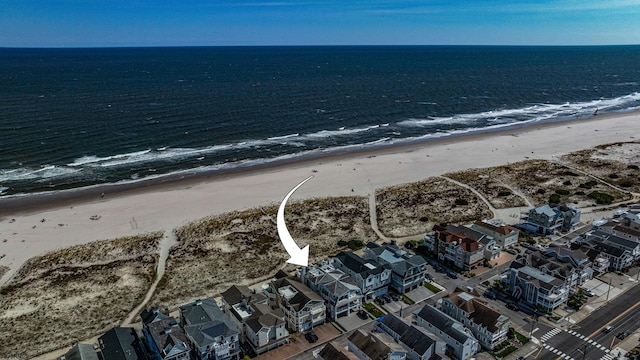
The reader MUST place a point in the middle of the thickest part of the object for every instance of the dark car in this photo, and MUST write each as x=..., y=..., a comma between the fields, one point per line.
x=438, y=268
x=311, y=336
x=623, y=334
x=452, y=275
x=362, y=315
x=512, y=252
x=490, y=295
x=429, y=277
x=512, y=306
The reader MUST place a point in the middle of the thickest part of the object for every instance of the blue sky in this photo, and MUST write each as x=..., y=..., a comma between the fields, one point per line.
x=79, y=23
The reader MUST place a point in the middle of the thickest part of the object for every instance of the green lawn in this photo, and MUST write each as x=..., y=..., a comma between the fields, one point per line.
x=372, y=309
x=434, y=289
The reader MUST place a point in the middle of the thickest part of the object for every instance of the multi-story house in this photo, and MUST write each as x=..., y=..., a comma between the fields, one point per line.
x=263, y=327
x=487, y=325
x=536, y=288
x=617, y=250
x=460, y=342
x=165, y=339
x=549, y=220
x=375, y=346
x=414, y=340
x=211, y=333
x=505, y=236
x=121, y=343
x=340, y=292
x=372, y=278
x=303, y=308
x=408, y=271
x=451, y=243
x=570, y=266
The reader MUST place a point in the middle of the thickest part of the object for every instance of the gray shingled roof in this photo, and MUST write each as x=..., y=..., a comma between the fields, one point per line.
x=303, y=296
x=206, y=334
x=121, y=343
x=417, y=340
x=169, y=336
x=201, y=311
x=81, y=352
x=357, y=264
x=443, y=322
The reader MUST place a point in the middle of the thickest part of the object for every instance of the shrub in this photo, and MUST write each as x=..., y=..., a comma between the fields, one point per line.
x=567, y=183
x=625, y=183
x=541, y=191
x=613, y=176
x=461, y=202
x=562, y=192
x=424, y=219
x=569, y=173
x=579, y=192
x=504, y=193
x=633, y=167
x=342, y=243
x=601, y=198
x=589, y=184
x=554, y=199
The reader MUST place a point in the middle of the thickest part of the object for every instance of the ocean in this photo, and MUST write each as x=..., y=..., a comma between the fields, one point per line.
x=72, y=118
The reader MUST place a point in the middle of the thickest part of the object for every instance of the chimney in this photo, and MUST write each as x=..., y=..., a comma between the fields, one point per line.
x=198, y=302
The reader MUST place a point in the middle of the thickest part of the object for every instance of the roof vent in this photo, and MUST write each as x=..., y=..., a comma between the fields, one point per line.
x=198, y=302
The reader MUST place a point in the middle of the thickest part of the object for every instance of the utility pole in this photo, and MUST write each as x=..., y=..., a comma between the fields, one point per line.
x=584, y=351
x=608, y=289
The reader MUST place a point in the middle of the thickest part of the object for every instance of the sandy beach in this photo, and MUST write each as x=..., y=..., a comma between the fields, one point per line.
x=32, y=231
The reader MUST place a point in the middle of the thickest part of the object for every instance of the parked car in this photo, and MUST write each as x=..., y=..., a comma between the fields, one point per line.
x=395, y=297
x=452, y=275
x=512, y=252
x=607, y=329
x=380, y=301
x=438, y=268
x=429, y=277
x=512, y=306
x=490, y=295
x=311, y=336
x=362, y=314
x=387, y=298
x=589, y=293
x=623, y=334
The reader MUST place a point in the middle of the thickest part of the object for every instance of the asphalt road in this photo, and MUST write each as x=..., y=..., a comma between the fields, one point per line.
x=586, y=340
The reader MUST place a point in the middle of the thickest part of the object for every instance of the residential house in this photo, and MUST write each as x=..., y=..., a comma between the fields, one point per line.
x=81, y=352
x=619, y=237
x=488, y=325
x=263, y=327
x=536, y=288
x=617, y=250
x=375, y=346
x=570, y=266
x=452, y=244
x=372, y=278
x=342, y=295
x=333, y=351
x=415, y=341
x=165, y=339
x=460, y=342
x=211, y=333
x=121, y=343
x=303, y=308
x=407, y=271
x=549, y=220
x=504, y=235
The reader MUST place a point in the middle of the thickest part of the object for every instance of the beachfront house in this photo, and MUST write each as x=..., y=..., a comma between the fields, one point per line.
x=342, y=295
x=121, y=343
x=488, y=325
x=81, y=352
x=460, y=342
x=210, y=332
x=407, y=271
x=374, y=346
x=619, y=251
x=504, y=235
x=165, y=339
x=549, y=220
x=263, y=327
x=453, y=244
x=303, y=308
x=372, y=278
x=535, y=288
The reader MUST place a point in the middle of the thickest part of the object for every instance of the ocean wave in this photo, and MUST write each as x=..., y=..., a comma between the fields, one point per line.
x=44, y=172
x=536, y=112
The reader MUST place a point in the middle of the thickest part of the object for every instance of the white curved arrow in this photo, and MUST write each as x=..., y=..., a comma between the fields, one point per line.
x=298, y=256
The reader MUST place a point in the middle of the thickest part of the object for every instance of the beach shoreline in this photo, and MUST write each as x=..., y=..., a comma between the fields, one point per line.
x=35, y=224
x=25, y=203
